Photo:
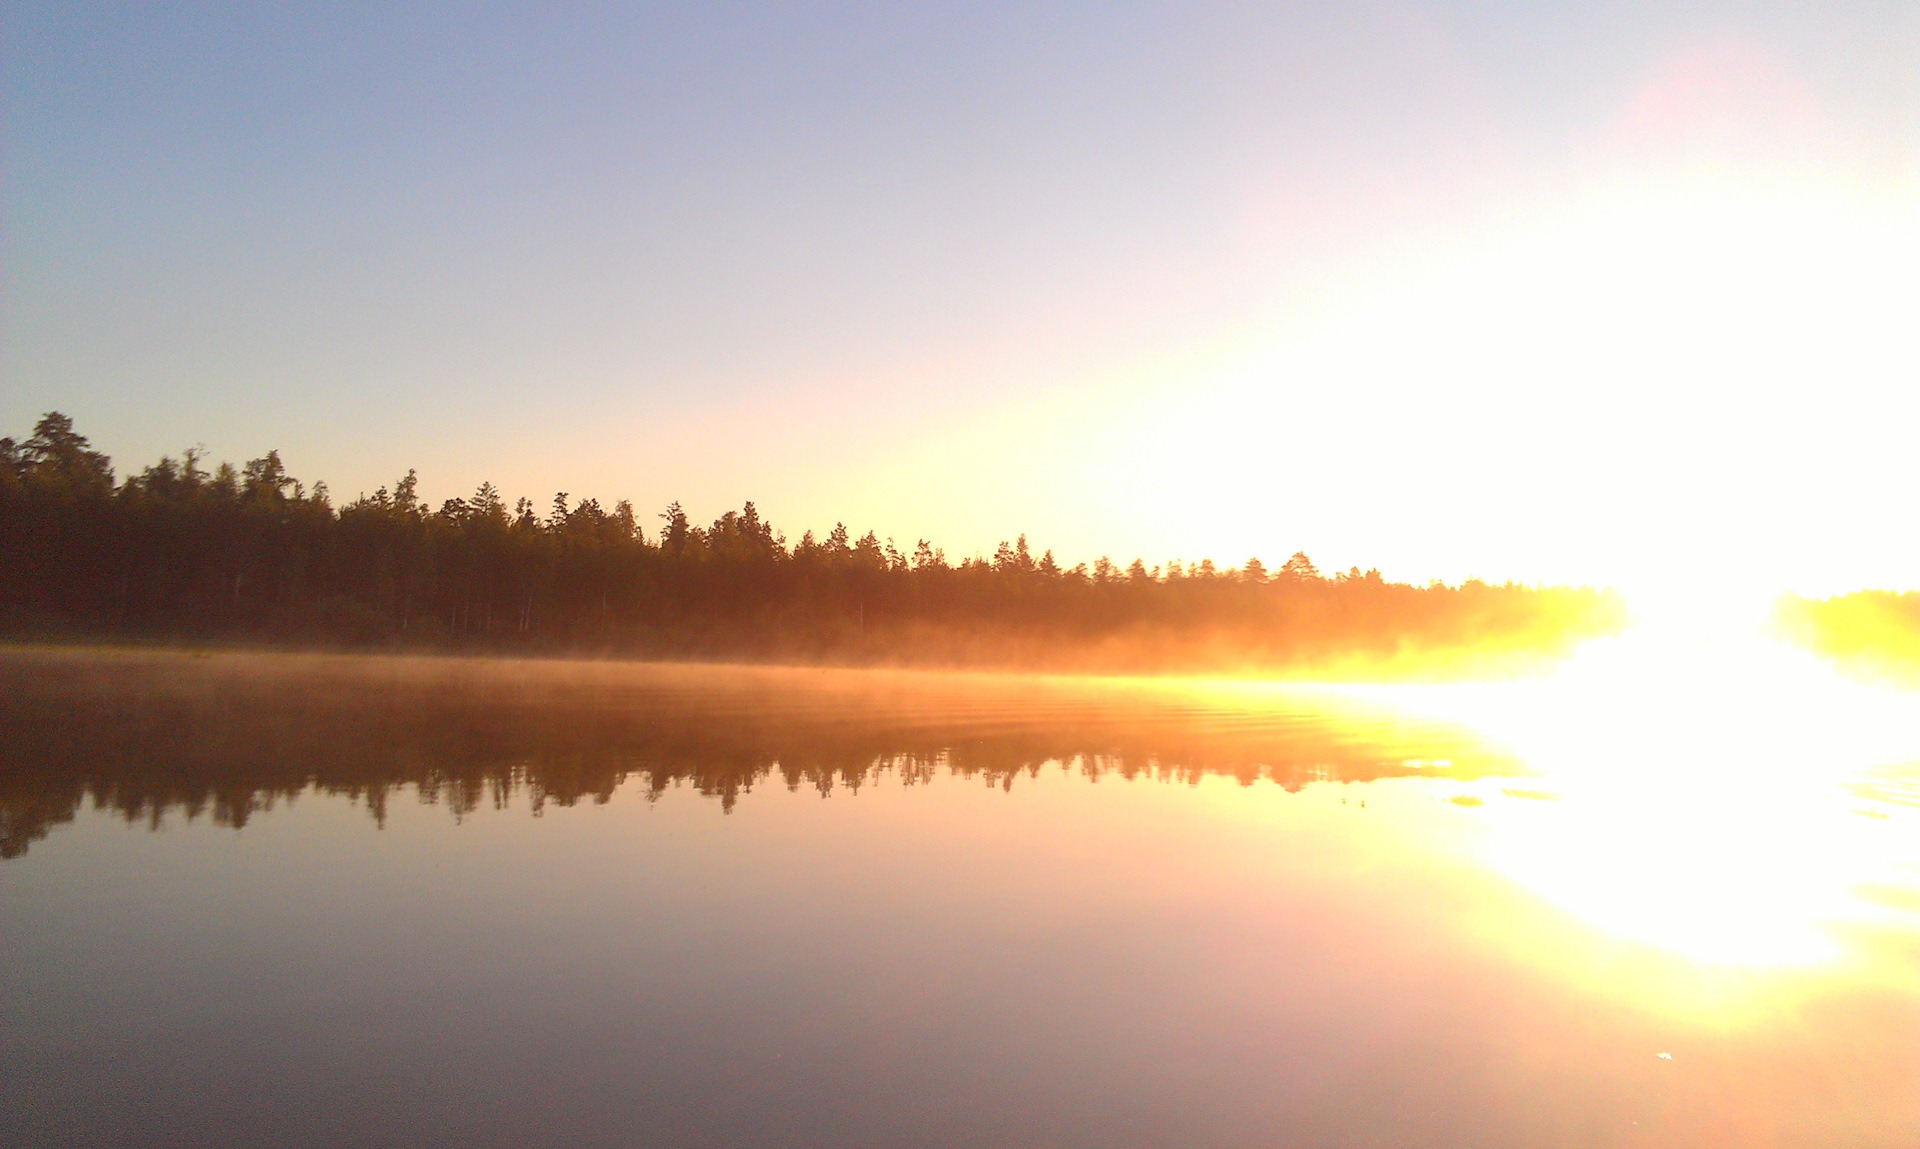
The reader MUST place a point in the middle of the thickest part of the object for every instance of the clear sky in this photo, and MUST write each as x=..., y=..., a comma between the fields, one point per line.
x=1609, y=292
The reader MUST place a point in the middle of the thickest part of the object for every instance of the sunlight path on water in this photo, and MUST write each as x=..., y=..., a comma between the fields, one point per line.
x=1707, y=793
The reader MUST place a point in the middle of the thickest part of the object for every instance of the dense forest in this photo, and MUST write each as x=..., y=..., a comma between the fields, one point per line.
x=181, y=551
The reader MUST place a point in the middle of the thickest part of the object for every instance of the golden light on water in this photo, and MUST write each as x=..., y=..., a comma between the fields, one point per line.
x=1674, y=882
x=1205, y=442
x=1705, y=792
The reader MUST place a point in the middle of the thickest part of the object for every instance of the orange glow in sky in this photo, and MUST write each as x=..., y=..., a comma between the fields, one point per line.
x=1453, y=291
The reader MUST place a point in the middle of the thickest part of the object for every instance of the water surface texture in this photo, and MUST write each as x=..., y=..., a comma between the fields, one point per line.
x=280, y=900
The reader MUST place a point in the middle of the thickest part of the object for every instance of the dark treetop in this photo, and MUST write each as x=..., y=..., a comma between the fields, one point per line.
x=178, y=551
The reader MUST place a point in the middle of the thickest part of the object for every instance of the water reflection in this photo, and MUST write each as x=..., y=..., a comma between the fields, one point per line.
x=146, y=735
x=1599, y=937
x=1725, y=793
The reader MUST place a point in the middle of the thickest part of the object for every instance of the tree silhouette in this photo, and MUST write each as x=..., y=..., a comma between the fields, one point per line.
x=176, y=551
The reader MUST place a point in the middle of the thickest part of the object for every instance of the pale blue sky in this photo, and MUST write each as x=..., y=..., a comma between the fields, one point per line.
x=936, y=271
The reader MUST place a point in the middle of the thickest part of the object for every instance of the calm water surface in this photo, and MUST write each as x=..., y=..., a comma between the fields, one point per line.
x=268, y=900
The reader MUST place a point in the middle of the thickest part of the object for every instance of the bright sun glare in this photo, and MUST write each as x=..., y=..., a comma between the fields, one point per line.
x=1706, y=380
x=1696, y=390
x=1699, y=772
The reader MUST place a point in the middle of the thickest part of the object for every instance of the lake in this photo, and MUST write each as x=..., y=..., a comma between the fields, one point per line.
x=258, y=899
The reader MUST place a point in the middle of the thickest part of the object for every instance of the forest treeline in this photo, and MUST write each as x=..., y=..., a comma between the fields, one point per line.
x=181, y=550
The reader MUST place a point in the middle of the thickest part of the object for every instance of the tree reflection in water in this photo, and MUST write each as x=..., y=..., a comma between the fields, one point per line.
x=149, y=735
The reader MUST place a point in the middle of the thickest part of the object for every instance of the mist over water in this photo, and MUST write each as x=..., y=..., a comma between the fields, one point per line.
x=1630, y=903
x=962, y=575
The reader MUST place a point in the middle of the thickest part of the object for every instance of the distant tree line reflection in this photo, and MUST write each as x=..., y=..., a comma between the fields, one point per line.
x=180, y=550
x=153, y=735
